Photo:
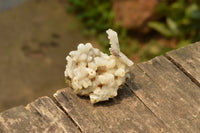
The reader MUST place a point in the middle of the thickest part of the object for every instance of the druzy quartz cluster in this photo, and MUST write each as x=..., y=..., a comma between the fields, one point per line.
x=95, y=74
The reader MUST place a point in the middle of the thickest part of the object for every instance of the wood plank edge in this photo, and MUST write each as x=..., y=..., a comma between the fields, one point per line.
x=62, y=108
x=61, y=91
x=149, y=109
x=180, y=67
x=132, y=90
x=58, y=105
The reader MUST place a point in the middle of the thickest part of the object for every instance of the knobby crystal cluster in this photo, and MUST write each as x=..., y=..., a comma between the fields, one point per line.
x=96, y=74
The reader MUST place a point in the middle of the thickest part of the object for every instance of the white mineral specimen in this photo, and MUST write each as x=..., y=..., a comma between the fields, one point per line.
x=95, y=74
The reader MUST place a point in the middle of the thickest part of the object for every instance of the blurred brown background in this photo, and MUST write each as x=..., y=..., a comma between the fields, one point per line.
x=35, y=37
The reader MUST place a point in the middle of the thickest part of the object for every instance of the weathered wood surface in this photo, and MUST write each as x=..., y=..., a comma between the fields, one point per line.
x=188, y=60
x=125, y=113
x=42, y=115
x=169, y=94
x=162, y=96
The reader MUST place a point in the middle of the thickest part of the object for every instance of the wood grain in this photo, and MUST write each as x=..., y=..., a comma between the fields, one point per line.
x=52, y=115
x=188, y=60
x=42, y=115
x=18, y=120
x=125, y=113
x=169, y=94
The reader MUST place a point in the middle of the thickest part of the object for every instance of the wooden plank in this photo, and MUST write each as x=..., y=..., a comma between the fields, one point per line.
x=188, y=60
x=19, y=120
x=123, y=114
x=41, y=115
x=169, y=94
x=52, y=115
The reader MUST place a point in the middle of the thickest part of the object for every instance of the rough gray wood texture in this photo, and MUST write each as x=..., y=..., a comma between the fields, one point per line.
x=42, y=115
x=188, y=60
x=169, y=94
x=162, y=96
x=123, y=114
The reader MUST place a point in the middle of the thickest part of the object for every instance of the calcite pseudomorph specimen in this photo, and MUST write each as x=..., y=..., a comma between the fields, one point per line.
x=96, y=74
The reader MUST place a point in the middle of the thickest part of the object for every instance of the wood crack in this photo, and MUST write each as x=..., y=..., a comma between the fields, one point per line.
x=132, y=90
x=60, y=106
x=183, y=70
x=148, y=108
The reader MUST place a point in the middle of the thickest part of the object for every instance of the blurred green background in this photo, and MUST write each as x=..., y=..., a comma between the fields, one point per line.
x=146, y=28
x=36, y=36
